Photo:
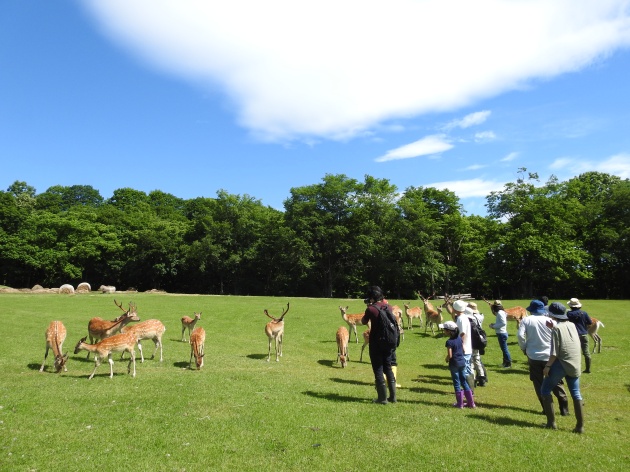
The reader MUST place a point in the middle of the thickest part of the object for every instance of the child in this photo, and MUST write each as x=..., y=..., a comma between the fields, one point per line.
x=457, y=365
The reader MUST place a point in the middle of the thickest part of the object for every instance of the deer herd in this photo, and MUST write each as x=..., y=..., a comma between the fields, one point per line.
x=118, y=335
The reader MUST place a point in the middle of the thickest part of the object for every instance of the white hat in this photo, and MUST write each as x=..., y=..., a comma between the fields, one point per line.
x=574, y=303
x=460, y=305
x=468, y=311
x=450, y=325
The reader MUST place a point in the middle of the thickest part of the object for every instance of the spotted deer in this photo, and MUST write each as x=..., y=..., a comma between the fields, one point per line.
x=148, y=329
x=342, y=338
x=411, y=313
x=275, y=332
x=99, y=329
x=352, y=321
x=197, y=343
x=189, y=323
x=55, y=336
x=120, y=342
x=592, y=330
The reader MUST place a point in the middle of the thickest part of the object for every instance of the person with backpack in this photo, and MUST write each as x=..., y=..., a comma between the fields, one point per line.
x=463, y=325
x=457, y=365
x=582, y=321
x=384, y=338
x=479, y=341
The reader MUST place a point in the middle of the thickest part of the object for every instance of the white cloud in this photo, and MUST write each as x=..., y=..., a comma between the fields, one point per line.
x=333, y=70
x=618, y=165
x=472, y=188
x=426, y=146
x=510, y=157
x=485, y=136
x=472, y=119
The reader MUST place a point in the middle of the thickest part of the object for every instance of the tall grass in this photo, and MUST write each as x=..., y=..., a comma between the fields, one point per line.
x=303, y=413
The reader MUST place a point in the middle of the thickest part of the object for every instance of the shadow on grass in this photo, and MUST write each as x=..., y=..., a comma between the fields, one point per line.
x=257, y=356
x=352, y=382
x=503, y=421
x=182, y=364
x=335, y=397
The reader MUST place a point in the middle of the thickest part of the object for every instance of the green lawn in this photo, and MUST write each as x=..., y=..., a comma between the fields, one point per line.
x=304, y=413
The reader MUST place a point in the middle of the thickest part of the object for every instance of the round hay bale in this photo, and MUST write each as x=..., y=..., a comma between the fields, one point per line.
x=66, y=288
x=107, y=289
x=37, y=287
x=84, y=287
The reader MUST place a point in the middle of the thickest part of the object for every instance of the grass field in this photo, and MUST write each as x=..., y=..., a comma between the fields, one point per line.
x=304, y=413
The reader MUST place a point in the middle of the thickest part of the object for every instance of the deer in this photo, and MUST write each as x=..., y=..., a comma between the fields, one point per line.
x=516, y=313
x=434, y=319
x=592, y=330
x=120, y=342
x=99, y=329
x=411, y=313
x=430, y=312
x=148, y=329
x=448, y=306
x=55, y=336
x=366, y=341
x=398, y=314
x=197, y=342
x=275, y=332
x=352, y=320
x=188, y=322
x=342, y=337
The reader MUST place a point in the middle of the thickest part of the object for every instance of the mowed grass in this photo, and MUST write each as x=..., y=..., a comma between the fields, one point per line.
x=303, y=413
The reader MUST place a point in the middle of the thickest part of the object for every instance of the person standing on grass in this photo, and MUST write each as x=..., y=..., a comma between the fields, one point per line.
x=381, y=357
x=582, y=321
x=457, y=365
x=534, y=339
x=481, y=375
x=500, y=327
x=565, y=361
x=463, y=324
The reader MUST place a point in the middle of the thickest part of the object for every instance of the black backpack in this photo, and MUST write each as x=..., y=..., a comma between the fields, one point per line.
x=478, y=335
x=388, y=334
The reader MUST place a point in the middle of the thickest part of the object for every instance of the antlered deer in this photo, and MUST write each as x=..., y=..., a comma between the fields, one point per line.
x=430, y=313
x=592, y=330
x=352, y=321
x=197, y=342
x=275, y=332
x=411, y=313
x=120, y=342
x=188, y=322
x=342, y=338
x=55, y=336
x=148, y=329
x=99, y=329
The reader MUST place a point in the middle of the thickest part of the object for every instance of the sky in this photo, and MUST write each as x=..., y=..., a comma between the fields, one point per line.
x=191, y=97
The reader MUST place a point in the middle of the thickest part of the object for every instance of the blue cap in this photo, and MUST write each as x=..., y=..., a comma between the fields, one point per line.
x=536, y=307
x=557, y=310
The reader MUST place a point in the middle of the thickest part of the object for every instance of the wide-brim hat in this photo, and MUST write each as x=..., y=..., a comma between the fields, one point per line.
x=536, y=307
x=574, y=303
x=450, y=325
x=497, y=304
x=460, y=305
x=558, y=311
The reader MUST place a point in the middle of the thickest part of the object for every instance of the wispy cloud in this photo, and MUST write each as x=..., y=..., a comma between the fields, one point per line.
x=510, y=157
x=426, y=146
x=287, y=80
x=485, y=136
x=618, y=165
x=471, y=188
x=472, y=119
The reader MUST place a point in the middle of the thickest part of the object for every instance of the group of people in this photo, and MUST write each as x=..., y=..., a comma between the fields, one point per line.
x=553, y=339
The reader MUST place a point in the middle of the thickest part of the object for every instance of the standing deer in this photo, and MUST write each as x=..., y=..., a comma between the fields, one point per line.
x=434, y=319
x=398, y=314
x=411, y=313
x=55, y=336
x=366, y=341
x=197, y=342
x=188, y=322
x=99, y=329
x=352, y=321
x=430, y=312
x=342, y=337
x=120, y=342
x=592, y=330
x=275, y=332
x=148, y=329
x=516, y=313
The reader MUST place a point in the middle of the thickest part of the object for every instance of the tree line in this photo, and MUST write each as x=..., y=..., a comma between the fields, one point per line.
x=333, y=239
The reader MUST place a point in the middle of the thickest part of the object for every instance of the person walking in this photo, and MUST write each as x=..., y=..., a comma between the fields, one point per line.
x=565, y=361
x=457, y=365
x=381, y=356
x=582, y=321
x=534, y=339
x=500, y=327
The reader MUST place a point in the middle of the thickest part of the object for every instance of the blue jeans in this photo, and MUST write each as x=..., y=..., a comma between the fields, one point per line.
x=469, y=370
x=502, y=337
x=556, y=374
x=458, y=374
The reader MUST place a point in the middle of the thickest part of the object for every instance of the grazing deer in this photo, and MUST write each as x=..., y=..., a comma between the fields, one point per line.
x=411, y=313
x=148, y=329
x=275, y=332
x=188, y=322
x=352, y=321
x=592, y=330
x=197, y=342
x=434, y=319
x=55, y=336
x=342, y=337
x=366, y=341
x=516, y=313
x=99, y=329
x=120, y=342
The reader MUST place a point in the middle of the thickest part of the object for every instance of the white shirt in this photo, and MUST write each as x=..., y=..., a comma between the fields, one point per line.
x=464, y=328
x=534, y=337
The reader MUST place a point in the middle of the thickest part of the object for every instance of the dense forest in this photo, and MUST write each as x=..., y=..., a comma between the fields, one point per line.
x=332, y=240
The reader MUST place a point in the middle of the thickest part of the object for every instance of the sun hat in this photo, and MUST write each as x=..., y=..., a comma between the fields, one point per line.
x=472, y=305
x=460, y=305
x=557, y=310
x=574, y=303
x=468, y=311
x=450, y=325
x=498, y=304
x=536, y=307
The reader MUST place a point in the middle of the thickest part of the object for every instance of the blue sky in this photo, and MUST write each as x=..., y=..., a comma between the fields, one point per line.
x=190, y=97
